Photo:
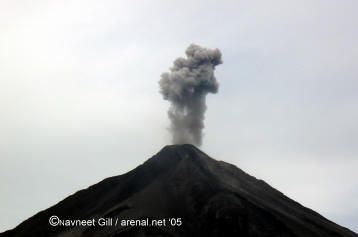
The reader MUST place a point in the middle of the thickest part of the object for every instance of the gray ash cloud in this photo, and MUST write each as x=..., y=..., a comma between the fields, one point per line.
x=185, y=87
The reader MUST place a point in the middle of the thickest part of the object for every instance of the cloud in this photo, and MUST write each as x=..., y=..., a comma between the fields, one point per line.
x=71, y=90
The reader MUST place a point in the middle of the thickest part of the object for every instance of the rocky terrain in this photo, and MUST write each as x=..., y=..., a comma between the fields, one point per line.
x=187, y=193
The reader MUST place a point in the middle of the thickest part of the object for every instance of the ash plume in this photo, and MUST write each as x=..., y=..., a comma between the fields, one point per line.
x=185, y=87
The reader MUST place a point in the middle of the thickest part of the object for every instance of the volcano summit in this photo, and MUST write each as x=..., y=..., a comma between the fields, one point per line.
x=209, y=197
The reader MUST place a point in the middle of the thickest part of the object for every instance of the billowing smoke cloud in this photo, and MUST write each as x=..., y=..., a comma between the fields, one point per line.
x=186, y=87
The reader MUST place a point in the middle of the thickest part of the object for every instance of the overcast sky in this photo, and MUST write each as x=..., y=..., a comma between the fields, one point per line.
x=79, y=95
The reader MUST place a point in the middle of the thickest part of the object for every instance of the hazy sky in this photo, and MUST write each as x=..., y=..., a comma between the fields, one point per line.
x=79, y=95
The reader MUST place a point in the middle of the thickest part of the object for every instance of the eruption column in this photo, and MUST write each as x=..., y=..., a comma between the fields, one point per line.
x=186, y=87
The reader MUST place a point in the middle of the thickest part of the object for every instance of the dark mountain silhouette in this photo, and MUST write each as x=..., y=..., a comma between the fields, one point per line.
x=212, y=198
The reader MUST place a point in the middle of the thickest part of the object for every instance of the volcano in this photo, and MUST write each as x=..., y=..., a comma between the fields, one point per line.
x=186, y=193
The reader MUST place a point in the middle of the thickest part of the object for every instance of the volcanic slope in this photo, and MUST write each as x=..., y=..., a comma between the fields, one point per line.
x=212, y=198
